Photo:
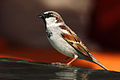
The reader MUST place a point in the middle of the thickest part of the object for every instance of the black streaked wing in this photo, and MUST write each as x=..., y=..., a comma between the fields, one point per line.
x=75, y=42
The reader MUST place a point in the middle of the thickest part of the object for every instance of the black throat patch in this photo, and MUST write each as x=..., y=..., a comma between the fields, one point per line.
x=49, y=33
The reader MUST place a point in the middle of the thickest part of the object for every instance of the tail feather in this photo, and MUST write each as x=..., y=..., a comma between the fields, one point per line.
x=97, y=62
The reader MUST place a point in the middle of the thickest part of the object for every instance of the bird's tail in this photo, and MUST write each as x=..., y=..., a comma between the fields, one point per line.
x=97, y=62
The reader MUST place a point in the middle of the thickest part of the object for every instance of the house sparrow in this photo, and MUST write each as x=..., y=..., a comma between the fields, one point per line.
x=64, y=40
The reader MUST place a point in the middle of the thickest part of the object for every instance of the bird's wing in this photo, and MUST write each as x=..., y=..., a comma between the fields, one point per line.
x=75, y=42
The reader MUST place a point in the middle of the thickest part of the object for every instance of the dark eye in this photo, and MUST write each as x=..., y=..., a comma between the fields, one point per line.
x=48, y=15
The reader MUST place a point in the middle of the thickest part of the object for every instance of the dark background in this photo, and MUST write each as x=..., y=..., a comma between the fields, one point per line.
x=96, y=22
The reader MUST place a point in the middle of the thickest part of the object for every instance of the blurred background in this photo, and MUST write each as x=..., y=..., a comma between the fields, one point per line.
x=97, y=22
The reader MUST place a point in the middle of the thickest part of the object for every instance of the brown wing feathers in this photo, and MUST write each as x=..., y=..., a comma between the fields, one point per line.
x=74, y=41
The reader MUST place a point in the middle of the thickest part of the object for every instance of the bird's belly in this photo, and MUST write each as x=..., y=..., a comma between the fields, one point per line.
x=62, y=46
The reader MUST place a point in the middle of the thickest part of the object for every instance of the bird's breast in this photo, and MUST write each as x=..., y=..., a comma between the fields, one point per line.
x=61, y=45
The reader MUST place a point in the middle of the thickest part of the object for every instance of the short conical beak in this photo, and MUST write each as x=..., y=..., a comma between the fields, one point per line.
x=41, y=16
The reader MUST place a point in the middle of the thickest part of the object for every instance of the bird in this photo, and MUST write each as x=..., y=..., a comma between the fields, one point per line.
x=65, y=40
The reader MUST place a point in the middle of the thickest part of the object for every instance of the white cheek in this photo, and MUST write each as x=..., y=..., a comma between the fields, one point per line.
x=50, y=20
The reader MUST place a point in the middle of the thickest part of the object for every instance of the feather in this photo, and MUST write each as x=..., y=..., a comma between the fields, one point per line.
x=75, y=42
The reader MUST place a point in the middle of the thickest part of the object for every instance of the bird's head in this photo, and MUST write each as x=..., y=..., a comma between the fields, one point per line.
x=50, y=17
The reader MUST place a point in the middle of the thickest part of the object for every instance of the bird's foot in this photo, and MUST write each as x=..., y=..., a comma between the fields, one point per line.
x=61, y=64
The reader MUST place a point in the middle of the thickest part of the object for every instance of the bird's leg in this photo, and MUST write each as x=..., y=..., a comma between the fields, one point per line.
x=75, y=57
x=71, y=61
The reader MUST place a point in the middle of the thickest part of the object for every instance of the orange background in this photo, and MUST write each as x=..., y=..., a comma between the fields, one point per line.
x=108, y=59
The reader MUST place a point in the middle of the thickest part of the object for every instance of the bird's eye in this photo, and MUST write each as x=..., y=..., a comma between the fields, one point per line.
x=48, y=15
